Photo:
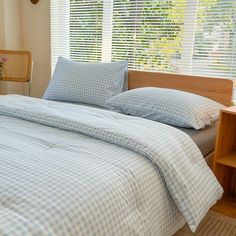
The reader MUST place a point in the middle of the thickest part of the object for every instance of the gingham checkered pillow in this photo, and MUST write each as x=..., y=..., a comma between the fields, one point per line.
x=168, y=106
x=91, y=83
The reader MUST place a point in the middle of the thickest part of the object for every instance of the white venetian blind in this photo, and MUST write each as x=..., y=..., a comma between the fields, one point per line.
x=182, y=36
x=86, y=18
x=214, y=47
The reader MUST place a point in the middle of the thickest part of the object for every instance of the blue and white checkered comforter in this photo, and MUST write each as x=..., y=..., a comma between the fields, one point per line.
x=73, y=170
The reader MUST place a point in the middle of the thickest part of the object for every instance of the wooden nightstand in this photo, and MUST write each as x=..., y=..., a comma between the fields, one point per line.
x=224, y=163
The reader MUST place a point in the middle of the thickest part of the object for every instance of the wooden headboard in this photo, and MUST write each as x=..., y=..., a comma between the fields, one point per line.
x=220, y=90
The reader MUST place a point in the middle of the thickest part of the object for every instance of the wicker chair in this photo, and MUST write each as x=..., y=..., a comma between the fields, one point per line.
x=16, y=66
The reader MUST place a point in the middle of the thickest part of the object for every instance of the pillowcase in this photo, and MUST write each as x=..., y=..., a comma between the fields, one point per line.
x=174, y=107
x=91, y=83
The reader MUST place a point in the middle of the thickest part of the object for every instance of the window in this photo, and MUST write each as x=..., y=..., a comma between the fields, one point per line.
x=195, y=37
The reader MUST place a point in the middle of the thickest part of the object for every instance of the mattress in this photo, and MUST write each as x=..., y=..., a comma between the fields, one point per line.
x=205, y=138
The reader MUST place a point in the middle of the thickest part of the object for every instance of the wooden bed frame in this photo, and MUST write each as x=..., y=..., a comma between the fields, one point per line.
x=220, y=90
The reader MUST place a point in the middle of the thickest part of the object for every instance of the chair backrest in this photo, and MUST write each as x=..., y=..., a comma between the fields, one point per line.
x=17, y=65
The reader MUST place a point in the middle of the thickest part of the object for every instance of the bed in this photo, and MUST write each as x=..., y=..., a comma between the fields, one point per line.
x=70, y=169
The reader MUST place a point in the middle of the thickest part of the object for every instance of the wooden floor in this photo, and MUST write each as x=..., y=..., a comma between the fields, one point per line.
x=214, y=224
x=226, y=206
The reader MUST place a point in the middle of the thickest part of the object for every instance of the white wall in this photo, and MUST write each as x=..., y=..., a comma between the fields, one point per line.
x=2, y=27
x=10, y=36
x=25, y=26
x=36, y=38
x=12, y=24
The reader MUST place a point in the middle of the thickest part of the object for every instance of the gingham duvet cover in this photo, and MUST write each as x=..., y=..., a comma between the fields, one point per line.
x=72, y=170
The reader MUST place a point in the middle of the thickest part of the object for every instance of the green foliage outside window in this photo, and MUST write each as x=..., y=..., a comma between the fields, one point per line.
x=156, y=41
x=157, y=36
x=86, y=29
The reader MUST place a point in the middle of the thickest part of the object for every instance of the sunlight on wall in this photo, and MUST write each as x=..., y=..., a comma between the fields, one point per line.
x=25, y=26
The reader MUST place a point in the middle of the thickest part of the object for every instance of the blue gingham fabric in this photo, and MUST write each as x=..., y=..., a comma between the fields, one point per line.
x=169, y=106
x=91, y=83
x=74, y=170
